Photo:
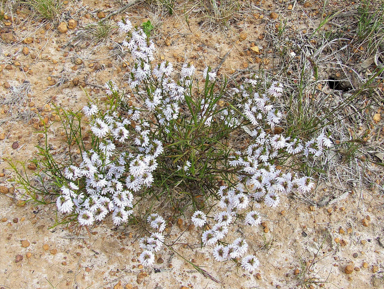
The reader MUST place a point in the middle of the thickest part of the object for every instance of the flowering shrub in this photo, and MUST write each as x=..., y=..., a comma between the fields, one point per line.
x=172, y=134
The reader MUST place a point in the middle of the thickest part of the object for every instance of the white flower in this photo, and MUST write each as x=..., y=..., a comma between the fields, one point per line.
x=220, y=231
x=220, y=253
x=252, y=218
x=272, y=199
x=89, y=111
x=211, y=75
x=224, y=218
x=250, y=263
x=209, y=237
x=199, y=219
x=100, y=212
x=241, y=246
x=125, y=26
x=120, y=134
x=100, y=128
x=85, y=218
x=64, y=204
x=147, y=258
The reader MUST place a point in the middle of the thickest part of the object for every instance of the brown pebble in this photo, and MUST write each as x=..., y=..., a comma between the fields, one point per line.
x=100, y=15
x=363, y=242
x=307, y=4
x=64, y=263
x=4, y=190
x=25, y=243
x=18, y=258
x=31, y=166
x=88, y=269
x=355, y=255
x=357, y=269
x=243, y=36
x=28, y=40
x=20, y=203
x=180, y=223
x=375, y=268
x=46, y=247
x=365, y=223
x=25, y=50
x=337, y=240
x=160, y=261
x=365, y=265
x=15, y=220
x=128, y=286
x=15, y=145
x=4, y=220
x=273, y=15
x=72, y=24
x=78, y=61
x=343, y=243
x=341, y=231
x=296, y=272
x=28, y=255
x=258, y=276
x=348, y=269
x=62, y=27
x=53, y=251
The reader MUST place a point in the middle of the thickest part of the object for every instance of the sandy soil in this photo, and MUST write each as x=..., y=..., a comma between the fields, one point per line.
x=299, y=245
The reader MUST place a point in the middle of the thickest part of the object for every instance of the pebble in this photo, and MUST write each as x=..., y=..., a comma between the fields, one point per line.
x=28, y=40
x=28, y=255
x=72, y=24
x=258, y=276
x=25, y=50
x=46, y=247
x=100, y=15
x=243, y=36
x=365, y=265
x=15, y=145
x=32, y=166
x=78, y=61
x=160, y=261
x=375, y=268
x=365, y=223
x=274, y=15
x=117, y=286
x=4, y=190
x=53, y=251
x=349, y=269
x=355, y=255
x=8, y=37
x=25, y=243
x=62, y=27
x=18, y=258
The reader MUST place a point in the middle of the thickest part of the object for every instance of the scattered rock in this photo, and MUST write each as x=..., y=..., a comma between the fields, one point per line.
x=349, y=269
x=18, y=258
x=54, y=252
x=28, y=255
x=32, y=166
x=46, y=247
x=8, y=37
x=167, y=42
x=28, y=40
x=75, y=81
x=20, y=203
x=355, y=255
x=258, y=276
x=377, y=117
x=160, y=261
x=25, y=51
x=100, y=15
x=255, y=49
x=62, y=27
x=72, y=24
x=118, y=286
x=365, y=223
x=78, y=61
x=15, y=145
x=365, y=265
x=296, y=272
x=274, y=15
x=290, y=7
x=4, y=190
x=128, y=286
x=243, y=36
x=307, y=4
x=375, y=268
x=25, y=243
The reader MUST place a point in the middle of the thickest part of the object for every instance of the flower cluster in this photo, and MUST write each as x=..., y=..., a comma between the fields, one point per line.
x=127, y=151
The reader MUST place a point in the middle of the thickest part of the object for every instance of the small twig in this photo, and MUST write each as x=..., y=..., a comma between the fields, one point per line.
x=120, y=10
x=222, y=61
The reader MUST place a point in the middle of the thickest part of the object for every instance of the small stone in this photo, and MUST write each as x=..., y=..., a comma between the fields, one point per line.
x=15, y=220
x=46, y=247
x=47, y=108
x=18, y=258
x=365, y=265
x=20, y=203
x=2, y=136
x=62, y=27
x=160, y=261
x=15, y=145
x=78, y=61
x=363, y=242
x=167, y=42
x=296, y=272
x=375, y=268
x=355, y=255
x=64, y=263
x=258, y=276
x=117, y=286
x=4, y=190
x=357, y=269
x=377, y=117
x=183, y=287
x=25, y=243
x=53, y=251
x=290, y=7
x=341, y=231
x=8, y=37
x=349, y=269
x=337, y=240
x=28, y=255
x=72, y=24
x=25, y=50
x=180, y=223
x=365, y=223
x=100, y=15
x=128, y=286
x=343, y=243
x=32, y=166
x=28, y=40
x=274, y=15
x=307, y=4
x=243, y=36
